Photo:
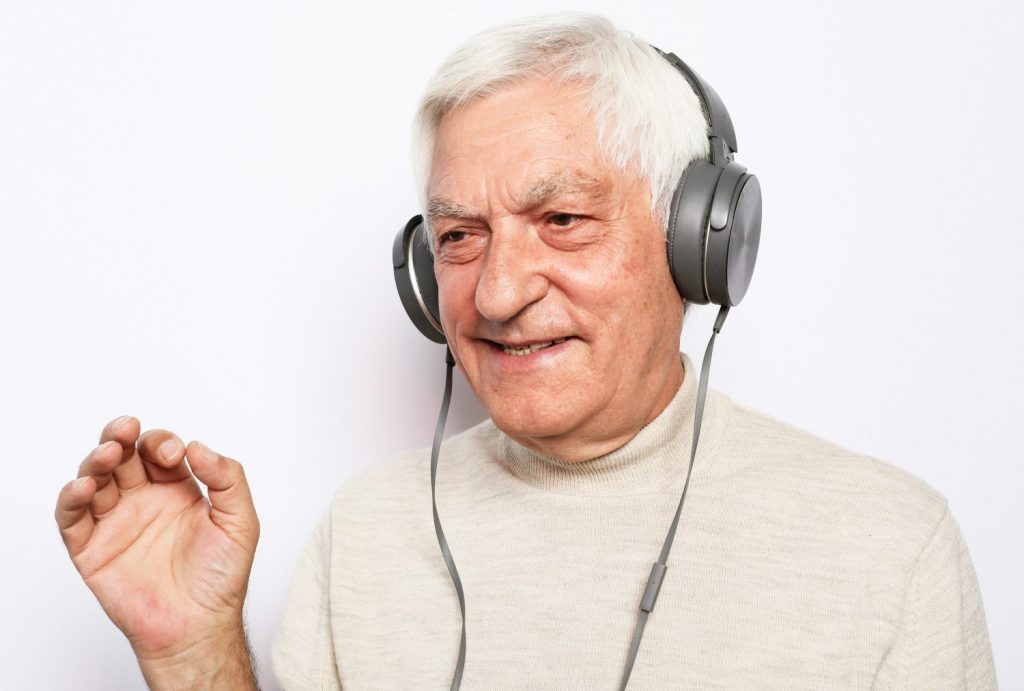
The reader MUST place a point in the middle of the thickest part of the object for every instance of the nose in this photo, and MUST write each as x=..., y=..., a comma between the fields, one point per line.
x=511, y=278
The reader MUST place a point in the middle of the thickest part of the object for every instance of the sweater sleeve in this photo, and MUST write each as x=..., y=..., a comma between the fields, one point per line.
x=942, y=640
x=303, y=650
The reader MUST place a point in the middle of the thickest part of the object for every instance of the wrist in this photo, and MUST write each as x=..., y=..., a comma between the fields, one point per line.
x=218, y=658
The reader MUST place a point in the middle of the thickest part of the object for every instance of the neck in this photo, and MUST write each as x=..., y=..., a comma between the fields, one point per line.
x=599, y=435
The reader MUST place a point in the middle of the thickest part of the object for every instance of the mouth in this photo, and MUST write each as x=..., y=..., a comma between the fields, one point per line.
x=527, y=348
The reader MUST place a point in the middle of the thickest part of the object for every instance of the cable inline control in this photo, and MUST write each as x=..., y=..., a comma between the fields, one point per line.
x=658, y=569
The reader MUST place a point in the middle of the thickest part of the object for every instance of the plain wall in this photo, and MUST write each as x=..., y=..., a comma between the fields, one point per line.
x=197, y=203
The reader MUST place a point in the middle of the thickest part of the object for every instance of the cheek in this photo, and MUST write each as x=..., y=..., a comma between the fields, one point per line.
x=628, y=291
x=614, y=282
x=456, y=292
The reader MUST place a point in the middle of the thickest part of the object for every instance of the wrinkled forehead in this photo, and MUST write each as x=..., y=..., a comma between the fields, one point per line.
x=544, y=187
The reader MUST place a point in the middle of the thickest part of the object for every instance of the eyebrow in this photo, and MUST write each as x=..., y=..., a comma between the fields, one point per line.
x=552, y=186
x=439, y=207
x=543, y=190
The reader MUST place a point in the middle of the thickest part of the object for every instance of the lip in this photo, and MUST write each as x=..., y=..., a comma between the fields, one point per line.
x=523, y=344
x=544, y=358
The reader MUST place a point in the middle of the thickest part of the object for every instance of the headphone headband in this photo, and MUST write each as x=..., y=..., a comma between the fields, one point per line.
x=719, y=121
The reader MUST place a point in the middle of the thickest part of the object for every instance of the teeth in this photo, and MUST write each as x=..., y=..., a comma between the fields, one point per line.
x=526, y=350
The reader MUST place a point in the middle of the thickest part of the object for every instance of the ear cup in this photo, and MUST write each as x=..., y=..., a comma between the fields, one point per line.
x=732, y=250
x=713, y=232
x=686, y=231
x=414, y=278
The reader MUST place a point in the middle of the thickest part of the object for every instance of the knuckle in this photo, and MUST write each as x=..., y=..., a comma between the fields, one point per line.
x=230, y=471
x=60, y=516
x=236, y=469
x=59, y=507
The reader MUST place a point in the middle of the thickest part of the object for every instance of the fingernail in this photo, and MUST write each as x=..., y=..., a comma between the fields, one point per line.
x=121, y=421
x=169, y=449
x=79, y=483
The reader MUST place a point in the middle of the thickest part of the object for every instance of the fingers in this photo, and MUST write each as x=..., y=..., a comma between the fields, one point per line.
x=227, y=489
x=162, y=455
x=99, y=465
x=72, y=514
x=130, y=474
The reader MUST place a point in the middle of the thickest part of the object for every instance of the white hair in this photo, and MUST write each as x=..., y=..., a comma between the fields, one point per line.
x=644, y=110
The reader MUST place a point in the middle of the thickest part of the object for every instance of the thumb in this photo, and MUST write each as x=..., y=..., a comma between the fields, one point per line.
x=227, y=488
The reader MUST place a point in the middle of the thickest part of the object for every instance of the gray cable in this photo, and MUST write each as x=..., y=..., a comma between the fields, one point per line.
x=442, y=417
x=657, y=576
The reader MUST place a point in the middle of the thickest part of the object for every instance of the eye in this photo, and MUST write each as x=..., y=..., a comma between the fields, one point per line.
x=562, y=220
x=452, y=236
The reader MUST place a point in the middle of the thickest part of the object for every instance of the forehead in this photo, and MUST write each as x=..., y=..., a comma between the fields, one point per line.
x=527, y=141
x=550, y=186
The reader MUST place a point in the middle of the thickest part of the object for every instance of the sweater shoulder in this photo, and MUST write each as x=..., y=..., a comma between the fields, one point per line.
x=804, y=467
x=777, y=442
x=405, y=476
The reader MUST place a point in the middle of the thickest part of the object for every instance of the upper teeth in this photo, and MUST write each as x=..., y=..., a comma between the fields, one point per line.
x=526, y=350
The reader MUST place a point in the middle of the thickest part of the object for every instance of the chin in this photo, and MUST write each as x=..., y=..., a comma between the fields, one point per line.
x=532, y=419
x=548, y=398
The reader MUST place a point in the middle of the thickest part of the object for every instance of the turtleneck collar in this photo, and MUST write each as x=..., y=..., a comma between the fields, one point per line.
x=653, y=460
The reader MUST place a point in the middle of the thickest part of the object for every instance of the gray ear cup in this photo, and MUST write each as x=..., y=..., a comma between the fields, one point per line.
x=714, y=228
x=686, y=232
x=714, y=223
x=733, y=236
x=414, y=278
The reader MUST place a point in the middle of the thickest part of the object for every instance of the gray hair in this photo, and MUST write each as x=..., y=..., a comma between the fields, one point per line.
x=644, y=110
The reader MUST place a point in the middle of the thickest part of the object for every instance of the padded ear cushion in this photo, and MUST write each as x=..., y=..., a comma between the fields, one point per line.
x=414, y=278
x=687, y=229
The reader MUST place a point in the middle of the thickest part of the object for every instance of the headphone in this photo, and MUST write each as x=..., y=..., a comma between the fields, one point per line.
x=713, y=227
x=713, y=230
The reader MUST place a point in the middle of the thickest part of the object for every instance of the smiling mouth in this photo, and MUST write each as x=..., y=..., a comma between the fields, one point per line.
x=528, y=349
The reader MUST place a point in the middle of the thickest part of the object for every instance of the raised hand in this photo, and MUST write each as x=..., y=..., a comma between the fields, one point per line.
x=169, y=567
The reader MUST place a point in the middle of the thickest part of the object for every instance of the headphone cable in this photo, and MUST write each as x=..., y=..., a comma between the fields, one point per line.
x=658, y=569
x=442, y=417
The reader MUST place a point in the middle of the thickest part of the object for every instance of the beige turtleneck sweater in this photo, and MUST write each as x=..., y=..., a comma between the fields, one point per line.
x=796, y=565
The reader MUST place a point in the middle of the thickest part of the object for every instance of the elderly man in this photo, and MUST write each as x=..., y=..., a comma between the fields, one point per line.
x=548, y=155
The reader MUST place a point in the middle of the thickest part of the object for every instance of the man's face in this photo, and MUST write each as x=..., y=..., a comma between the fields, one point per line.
x=554, y=287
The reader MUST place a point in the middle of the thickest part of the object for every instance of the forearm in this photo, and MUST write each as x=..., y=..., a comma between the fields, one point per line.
x=217, y=662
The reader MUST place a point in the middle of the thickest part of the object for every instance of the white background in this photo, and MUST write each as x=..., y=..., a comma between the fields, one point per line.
x=197, y=203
